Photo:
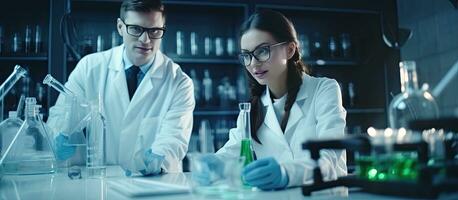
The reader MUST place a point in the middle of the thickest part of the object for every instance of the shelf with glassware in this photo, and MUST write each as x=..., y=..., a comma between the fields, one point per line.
x=23, y=41
x=345, y=45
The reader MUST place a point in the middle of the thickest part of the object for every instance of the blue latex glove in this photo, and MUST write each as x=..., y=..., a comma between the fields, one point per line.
x=63, y=151
x=149, y=163
x=265, y=174
x=207, y=169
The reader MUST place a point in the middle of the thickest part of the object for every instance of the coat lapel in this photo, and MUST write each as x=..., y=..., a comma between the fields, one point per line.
x=270, y=120
x=296, y=112
x=119, y=77
x=147, y=87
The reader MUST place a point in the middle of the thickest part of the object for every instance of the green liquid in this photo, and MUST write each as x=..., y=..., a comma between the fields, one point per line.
x=398, y=166
x=246, y=151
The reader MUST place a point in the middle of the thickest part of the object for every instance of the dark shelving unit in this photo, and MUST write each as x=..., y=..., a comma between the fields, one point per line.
x=371, y=66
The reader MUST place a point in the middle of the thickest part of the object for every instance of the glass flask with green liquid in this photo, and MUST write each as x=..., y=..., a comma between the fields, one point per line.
x=246, y=149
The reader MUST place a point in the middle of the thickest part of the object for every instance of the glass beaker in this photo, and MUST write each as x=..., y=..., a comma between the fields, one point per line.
x=223, y=176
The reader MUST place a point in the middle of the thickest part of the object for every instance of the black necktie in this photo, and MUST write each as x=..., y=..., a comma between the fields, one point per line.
x=131, y=76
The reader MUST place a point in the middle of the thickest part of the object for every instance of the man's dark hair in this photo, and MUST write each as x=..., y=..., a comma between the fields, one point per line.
x=145, y=6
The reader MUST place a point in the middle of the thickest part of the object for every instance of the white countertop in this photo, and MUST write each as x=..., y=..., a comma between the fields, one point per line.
x=59, y=186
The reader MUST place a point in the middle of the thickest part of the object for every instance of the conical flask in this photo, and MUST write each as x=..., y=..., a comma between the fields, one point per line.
x=8, y=129
x=71, y=118
x=30, y=151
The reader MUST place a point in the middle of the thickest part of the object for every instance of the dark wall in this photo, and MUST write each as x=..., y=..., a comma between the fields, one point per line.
x=434, y=44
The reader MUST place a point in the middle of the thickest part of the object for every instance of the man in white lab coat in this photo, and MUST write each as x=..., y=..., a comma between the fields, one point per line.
x=147, y=99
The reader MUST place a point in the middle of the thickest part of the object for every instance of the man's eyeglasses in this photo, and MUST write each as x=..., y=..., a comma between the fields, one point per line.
x=261, y=54
x=137, y=31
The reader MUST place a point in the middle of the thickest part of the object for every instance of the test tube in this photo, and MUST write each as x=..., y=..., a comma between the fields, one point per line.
x=17, y=74
x=51, y=81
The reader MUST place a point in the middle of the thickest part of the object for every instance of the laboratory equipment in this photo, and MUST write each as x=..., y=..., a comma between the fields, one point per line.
x=76, y=115
x=217, y=178
x=17, y=44
x=219, y=48
x=100, y=43
x=30, y=151
x=38, y=42
x=8, y=129
x=304, y=45
x=412, y=103
x=332, y=45
x=197, y=86
x=207, y=84
x=393, y=159
x=246, y=150
x=345, y=45
x=208, y=46
x=317, y=47
x=28, y=40
x=206, y=138
x=6, y=86
x=180, y=43
x=114, y=39
x=194, y=46
x=230, y=46
x=96, y=134
x=351, y=93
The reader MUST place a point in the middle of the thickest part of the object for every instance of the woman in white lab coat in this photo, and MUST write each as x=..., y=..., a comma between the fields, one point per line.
x=288, y=107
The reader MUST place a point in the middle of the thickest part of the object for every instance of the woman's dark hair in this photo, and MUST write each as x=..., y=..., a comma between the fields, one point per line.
x=145, y=6
x=282, y=30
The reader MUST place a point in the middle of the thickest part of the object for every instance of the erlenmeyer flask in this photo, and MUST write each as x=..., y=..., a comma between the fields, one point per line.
x=30, y=151
x=8, y=129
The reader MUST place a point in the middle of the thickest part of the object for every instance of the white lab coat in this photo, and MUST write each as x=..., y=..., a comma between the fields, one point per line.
x=316, y=113
x=160, y=112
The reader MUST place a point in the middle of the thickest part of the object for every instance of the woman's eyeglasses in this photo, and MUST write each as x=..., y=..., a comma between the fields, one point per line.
x=261, y=54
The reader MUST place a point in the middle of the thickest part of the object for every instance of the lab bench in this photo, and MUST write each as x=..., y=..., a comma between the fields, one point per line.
x=60, y=186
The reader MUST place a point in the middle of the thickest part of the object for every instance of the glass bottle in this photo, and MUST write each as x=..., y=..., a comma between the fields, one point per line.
x=193, y=45
x=197, y=87
x=246, y=149
x=180, y=43
x=38, y=43
x=206, y=138
x=207, y=84
x=28, y=40
x=345, y=45
x=30, y=151
x=412, y=103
